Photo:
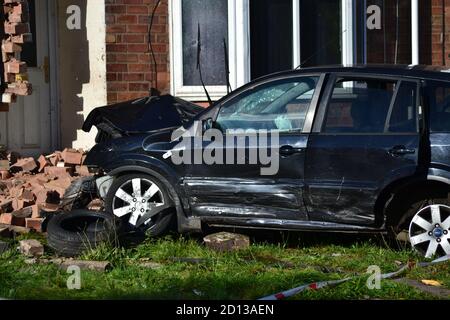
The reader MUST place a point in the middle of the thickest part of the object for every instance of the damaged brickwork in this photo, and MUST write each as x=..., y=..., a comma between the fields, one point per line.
x=14, y=18
x=31, y=189
x=130, y=70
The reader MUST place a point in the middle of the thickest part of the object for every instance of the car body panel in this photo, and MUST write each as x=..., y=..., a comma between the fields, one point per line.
x=333, y=185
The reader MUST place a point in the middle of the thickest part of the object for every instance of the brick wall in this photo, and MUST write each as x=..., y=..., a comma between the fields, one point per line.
x=435, y=32
x=431, y=34
x=130, y=71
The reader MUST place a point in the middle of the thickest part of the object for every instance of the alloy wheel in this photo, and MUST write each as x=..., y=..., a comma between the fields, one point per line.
x=139, y=198
x=429, y=231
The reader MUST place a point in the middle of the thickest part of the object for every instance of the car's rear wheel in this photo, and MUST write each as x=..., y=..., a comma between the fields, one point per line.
x=429, y=231
x=425, y=222
x=141, y=202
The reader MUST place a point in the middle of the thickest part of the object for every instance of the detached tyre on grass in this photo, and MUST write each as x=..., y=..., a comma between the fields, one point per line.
x=71, y=234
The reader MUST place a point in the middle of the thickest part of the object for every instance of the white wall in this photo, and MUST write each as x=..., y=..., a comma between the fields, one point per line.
x=82, y=70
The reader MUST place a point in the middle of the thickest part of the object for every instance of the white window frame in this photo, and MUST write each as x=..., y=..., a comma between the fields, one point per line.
x=238, y=50
x=239, y=46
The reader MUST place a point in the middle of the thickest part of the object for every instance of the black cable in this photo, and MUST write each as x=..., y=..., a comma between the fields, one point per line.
x=227, y=66
x=150, y=43
x=199, y=65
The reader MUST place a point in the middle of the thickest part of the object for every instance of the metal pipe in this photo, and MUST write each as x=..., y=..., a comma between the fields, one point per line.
x=415, y=32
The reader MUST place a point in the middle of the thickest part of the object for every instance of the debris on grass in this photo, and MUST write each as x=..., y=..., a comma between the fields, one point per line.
x=432, y=283
x=225, y=241
x=31, y=248
x=31, y=190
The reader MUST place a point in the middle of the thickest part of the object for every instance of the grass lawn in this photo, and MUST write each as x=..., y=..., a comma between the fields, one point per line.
x=275, y=262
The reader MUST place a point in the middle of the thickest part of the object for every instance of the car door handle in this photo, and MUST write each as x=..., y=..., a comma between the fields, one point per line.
x=287, y=151
x=401, y=151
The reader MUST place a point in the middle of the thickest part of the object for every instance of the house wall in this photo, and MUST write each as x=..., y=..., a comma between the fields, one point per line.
x=81, y=70
x=130, y=70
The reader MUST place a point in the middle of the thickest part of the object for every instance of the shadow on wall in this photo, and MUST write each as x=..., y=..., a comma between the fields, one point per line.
x=73, y=68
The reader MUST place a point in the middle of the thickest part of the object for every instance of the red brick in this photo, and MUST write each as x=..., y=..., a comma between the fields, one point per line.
x=137, y=9
x=139, y=48
x=59, y=185
x=139, y=67
x=25, y=165
x=34, y=224
x=139, y=86
x=11, y=219
x=71, y=156
x=4, y=175
x=117, y=67
x=133, y=77
x=133, y=38
x=56, y=171
x=116, y=9
x=138, y=28
x=127, y=57
x=43, y=162
x=127, y=19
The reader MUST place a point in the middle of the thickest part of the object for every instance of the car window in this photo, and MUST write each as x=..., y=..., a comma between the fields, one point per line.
x=359, y=106
x=404, y=113
x=439, y=102
x=281, y=106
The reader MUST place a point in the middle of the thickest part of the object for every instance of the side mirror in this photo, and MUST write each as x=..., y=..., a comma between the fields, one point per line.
x=207, y=124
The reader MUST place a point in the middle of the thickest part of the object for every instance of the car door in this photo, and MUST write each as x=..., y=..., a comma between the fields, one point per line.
x=366, y=135
x=280, y=110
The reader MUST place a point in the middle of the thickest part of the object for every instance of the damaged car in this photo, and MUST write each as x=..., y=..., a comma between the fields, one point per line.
x=362, y=149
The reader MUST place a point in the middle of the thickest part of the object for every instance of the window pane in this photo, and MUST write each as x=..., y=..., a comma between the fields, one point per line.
x=271, y=36
x=320, y=25
x=404, y=113
x=280, y=106
x=359, y=106
x=439, y=101
x=212, y=15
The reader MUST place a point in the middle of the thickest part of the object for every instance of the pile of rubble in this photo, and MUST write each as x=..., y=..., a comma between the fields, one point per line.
x=32, y=189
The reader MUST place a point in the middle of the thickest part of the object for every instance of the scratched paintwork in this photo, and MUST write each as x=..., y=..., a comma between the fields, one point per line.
x=335, y=184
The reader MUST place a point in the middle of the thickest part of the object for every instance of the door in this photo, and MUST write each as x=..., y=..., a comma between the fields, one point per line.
x=366, y=135
x=239, y=187
x=26, y=128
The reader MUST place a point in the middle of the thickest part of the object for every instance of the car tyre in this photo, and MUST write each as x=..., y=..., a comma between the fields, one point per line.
x=72, y=233
x=412, y=204
x=123, y=189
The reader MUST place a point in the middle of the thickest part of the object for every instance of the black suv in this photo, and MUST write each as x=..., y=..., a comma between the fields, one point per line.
x=361, y=149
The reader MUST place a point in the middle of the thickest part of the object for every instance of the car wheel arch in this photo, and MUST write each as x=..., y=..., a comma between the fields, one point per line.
x=409, y=187
x=183, y=223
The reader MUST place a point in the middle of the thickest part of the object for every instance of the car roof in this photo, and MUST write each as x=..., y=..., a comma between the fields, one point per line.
x=416, y=71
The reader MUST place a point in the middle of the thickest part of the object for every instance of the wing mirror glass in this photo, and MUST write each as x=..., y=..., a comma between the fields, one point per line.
x=207, y=124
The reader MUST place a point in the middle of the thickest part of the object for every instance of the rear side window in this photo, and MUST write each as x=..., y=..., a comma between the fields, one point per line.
x=363, y=106
x=403, y=118
x=439, y=102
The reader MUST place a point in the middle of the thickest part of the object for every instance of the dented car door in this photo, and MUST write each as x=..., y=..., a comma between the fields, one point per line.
x=365, y=136
x=243, y=188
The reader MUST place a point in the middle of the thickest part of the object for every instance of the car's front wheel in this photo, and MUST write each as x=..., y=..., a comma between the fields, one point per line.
x=141, y=202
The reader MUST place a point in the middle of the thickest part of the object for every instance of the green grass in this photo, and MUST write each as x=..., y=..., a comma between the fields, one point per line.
x=265, y=268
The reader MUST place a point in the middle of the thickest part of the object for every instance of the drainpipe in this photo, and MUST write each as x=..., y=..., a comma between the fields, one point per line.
x=415, y=31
